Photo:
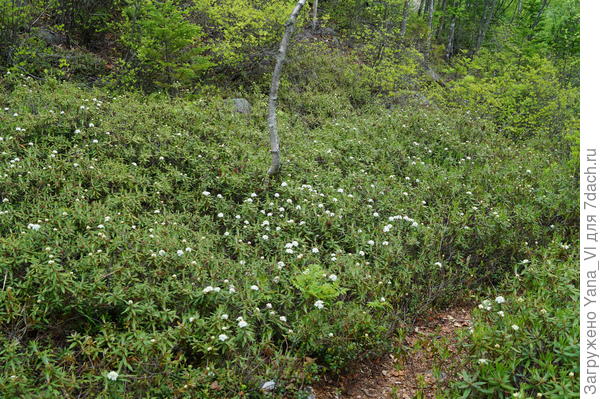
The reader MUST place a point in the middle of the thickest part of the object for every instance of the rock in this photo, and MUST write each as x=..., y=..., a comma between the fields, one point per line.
x=268, y=386
x=51, y=38
x=241, y=105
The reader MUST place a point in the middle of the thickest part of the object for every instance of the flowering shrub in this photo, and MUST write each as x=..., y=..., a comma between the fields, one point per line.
x=527, y=345
x=143, y=256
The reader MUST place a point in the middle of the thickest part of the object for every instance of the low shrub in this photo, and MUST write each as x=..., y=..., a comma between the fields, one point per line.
x=525, y=344
x=143, y=255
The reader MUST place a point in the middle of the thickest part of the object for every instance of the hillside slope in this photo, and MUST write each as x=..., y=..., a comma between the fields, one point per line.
x=137, y=237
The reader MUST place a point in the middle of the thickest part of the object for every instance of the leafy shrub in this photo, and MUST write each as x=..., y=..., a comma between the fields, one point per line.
x=33, y=56
x=527, y=343
x=165, y=44
x=522, y=95
x=144, y=257
x=241, y=33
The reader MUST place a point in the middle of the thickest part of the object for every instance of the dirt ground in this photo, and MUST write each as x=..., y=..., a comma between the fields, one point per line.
x=428, y=355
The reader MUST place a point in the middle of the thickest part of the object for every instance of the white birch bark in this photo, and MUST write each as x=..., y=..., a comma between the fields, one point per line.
x=429, y=28
x=272, y=117
x=314, y=11
x=450, y=46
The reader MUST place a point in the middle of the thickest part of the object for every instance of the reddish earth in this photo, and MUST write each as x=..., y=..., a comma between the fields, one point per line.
x=429, y=355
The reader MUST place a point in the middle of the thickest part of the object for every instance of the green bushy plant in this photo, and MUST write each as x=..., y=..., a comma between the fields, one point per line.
x=526, y=343
x=166, y=47
x=522, y=95
x=240, y=34
x=144, y=256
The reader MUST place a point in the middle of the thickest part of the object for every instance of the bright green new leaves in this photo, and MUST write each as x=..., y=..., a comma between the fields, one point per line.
x=166, y=46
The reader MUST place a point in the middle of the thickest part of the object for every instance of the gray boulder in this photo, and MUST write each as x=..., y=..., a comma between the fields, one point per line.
x=50, y=37
x=241, y=105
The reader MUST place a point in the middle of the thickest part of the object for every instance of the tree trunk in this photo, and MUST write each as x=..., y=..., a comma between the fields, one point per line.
x=314, y=16
x=272, y=117
x=538, y=18
x=422, y=7
x=486, y=19
x=429, y=28
x=450, y=46
x=442, y=22
x=404, y=17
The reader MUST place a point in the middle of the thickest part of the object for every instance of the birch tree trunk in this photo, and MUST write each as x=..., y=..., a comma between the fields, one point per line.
x=488, y=15
x=430, y=28
x=404, y=17
x=450, y=46
x=272, y=117
x=314, y=16
x=442, y=22
x=421, y=7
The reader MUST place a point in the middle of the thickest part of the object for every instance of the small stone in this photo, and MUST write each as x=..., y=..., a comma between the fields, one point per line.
x=268, y=386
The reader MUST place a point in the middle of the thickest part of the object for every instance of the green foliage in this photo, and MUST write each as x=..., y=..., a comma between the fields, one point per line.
x=527, y=343
x=166, y=46
x=241, y=33
x=14, y=17
x=522, y=95
x=131, y=225
x=313, y=284
x=34, y=57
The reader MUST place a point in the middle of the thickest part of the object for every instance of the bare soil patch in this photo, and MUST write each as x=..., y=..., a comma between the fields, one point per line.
x=428, y=356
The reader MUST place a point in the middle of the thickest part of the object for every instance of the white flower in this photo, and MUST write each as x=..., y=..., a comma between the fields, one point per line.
x=268, y=386
x=223, y=337
x=242, y=324
x=205, y=193
x=224, y=316
x=34, y=226
x=438, y=264
x=319, y=304
x=162, y=252
x=387, y=228
x=254, y=287
x=208, y=289
x=283, y=318
x=333, y=277
x=315, y=250
x=220, y=215
x=284, y=184
x=515, y=327
x=482, y=361
x=501, y=313
x=371, y=242
x=500, y=299
x=112, y=375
